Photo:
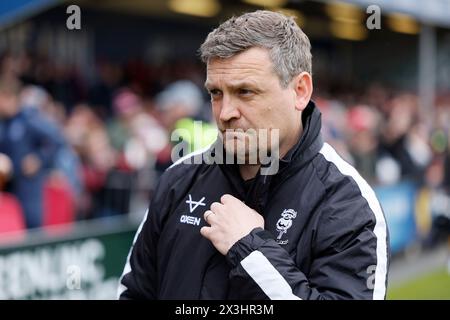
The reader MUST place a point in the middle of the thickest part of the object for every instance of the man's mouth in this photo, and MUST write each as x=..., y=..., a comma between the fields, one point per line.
x=231, y=134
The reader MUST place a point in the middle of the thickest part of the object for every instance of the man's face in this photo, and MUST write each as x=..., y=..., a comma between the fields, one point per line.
x=247, y=94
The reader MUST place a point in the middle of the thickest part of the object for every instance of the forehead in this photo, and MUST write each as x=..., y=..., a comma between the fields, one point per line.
x=251, y=64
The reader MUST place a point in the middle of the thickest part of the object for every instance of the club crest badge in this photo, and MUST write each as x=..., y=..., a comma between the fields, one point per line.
x=284, y=223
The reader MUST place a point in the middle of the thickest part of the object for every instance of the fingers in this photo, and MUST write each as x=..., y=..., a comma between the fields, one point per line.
x=206, y=232
x=216, y=207
x=207, y=215
x=227, y=198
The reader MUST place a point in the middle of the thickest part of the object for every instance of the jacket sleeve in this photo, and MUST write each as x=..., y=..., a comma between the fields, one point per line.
x=343, y=260
x=139, y=278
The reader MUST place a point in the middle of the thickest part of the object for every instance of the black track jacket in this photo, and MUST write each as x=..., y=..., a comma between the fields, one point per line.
x=325, y=233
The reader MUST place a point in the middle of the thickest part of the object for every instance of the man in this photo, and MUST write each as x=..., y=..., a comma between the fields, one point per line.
x=32, y=144
x=179, y=106
x=312, y=230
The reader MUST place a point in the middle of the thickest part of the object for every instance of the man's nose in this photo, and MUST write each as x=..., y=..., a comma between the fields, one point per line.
x=229, y=109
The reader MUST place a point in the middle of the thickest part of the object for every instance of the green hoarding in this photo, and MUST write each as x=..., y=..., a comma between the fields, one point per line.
x=83, y=261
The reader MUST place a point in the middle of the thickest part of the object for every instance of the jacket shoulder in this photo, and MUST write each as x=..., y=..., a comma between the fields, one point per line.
x=349, y=201
x=183, y=170
x=342, y=182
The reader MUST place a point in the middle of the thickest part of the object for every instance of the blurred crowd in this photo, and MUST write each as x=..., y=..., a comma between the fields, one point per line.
x=388, y=137
x=73, y=148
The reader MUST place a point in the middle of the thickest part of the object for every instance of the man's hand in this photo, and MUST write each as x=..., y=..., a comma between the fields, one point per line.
x=230, y=221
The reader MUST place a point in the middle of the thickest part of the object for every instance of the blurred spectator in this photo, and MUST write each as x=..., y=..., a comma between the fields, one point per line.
x=334, y=125
x=375, y=165
x=31, y=145
x=179, y=105
x=181, y=99
x=98, y=162
x=36, y=102
x=134, y=132
x=397, y=141
x=86, y=133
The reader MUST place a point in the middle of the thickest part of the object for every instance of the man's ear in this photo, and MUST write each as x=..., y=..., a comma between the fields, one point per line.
x=303, y=87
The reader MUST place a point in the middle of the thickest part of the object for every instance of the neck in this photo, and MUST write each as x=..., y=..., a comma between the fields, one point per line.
x=248, y=171
x=290, y=141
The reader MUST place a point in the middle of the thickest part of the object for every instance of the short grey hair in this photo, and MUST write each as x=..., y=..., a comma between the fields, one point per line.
x=289, y=47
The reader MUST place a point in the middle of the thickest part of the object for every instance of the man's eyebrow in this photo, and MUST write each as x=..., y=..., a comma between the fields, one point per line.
x=233, y=85
x=243, y=83
x=207, y=84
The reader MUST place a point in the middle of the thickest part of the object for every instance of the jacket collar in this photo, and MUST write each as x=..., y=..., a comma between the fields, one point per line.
x=310, y=141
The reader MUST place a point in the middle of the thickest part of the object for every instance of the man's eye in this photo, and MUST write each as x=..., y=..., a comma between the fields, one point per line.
x=215, y=92
x=245, y=92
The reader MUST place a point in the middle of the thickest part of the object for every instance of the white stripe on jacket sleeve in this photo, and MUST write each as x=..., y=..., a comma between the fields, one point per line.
x=331, y=155
x=127, y=268
x=267, y=277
